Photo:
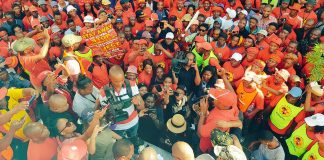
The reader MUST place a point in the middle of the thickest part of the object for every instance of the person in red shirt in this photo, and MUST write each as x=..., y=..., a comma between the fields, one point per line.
x=288, y=63
x=275, y=86
x=261, y=40
x=137, y=57
x=73, y=14
x=308, y=12
x=147, y=72
x=275, y=42
x=5, y=43
x=142, y=6
x=206, y=10
x=251, y=55
x=283, y=35
x=292, y=18
x=271, y=64
x=179, y=11
x=224, y=115
x=249, y=41
x=220, y=47
x=282, y=9
x=44, y=10
x=233, y=4
x=98, y=71
x=234, y=67
x=59, y=22
x=139, y=23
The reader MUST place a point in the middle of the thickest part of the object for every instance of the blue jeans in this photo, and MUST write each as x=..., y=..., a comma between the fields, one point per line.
x=128, y=133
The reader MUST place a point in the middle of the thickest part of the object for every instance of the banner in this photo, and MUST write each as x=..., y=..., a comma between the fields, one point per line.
x=103, y=37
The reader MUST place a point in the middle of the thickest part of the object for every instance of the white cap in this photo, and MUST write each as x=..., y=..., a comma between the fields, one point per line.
x=284, y=74
x=315, y=120
x=88, y=19
x=263, y=32
x=244, y=12
x=169, y=35
x=231, y=13
x=316, y=89
x=204, y=157
x=237, y=56
x=70, y=8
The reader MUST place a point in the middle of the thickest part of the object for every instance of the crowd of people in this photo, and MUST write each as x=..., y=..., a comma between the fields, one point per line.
x=199, y=79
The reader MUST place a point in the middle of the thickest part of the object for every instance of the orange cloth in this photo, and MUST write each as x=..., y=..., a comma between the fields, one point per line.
x=224, y=53
x=296, y=22
x=206, y=13
x=138, y=27
x=265, y=54
x=145, y=78
x=77, y=21
x=7, y=154
x=99, y=75
x=305, y=16
x=278, y=12
x=175, y=12
x=45, y=150
x=270, y=97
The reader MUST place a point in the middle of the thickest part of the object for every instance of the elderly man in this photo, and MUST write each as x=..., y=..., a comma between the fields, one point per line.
x=182, y=151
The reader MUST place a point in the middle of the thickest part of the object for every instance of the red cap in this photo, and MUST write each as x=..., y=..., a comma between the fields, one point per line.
x=252, y=50
x=275, y=39
x=275, y=58
x=154, y=17
x=199, y=39
x=205, y=45
x=3, y=92
x=41, y=77
x=11, y=62
x=73, y=148
x=296, y=6
x=149, y=23
x=224, y=96
x=217, y=8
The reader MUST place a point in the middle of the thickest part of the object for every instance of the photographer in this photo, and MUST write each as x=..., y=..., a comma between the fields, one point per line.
x=224, y=115
x=126, y=94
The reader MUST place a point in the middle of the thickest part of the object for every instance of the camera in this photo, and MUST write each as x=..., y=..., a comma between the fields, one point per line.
x=179, y=61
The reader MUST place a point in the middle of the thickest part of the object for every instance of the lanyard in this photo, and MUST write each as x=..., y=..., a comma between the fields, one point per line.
x=93, y=101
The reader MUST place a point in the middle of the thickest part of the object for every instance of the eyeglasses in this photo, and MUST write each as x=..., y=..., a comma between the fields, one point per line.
x=68, y=124
x=202, y=30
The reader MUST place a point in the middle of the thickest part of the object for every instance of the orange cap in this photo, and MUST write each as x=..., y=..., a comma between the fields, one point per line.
x=205, y=45
x=275, y=39
x=224, y=96
x=252, y=50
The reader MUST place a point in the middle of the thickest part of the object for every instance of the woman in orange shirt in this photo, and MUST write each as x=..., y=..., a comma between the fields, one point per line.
x=146, y=76
x=72, y=14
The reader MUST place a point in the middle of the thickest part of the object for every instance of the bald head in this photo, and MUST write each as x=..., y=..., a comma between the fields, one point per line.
x=58, y=103
x=182, y=151
x=116, y=71
x=148, y=153
x=36, y=131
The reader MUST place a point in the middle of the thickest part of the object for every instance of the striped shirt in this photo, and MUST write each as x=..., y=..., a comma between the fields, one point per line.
x=122, y=95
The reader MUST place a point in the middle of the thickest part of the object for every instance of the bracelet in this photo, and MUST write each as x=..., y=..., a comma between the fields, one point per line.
x=201, y=114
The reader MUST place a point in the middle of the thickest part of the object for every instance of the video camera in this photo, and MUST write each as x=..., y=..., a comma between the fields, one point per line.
x=179, y=61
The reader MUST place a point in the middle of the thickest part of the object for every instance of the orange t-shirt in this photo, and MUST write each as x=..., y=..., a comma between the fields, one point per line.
x=138, y=27
x=99, y=75
x=305, y=16
x=278, y=12
x=265, y=54
x=296, y=22
x=6, y=154
x=224, y=52
x=237, y=72
x=145, y=78
x=205, y=13
x=246, y=63
x=178, y=14
x=45, y=150
x=268, y=96
x=138, y=62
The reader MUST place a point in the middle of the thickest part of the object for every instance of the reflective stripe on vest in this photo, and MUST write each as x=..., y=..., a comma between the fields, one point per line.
x=151, y=49
x=298, y=141
x=244, y=98
x=284, y=113
x=313, y=153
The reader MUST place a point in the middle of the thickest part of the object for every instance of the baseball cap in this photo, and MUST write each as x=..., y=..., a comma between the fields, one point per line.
x=23, y=43
x=169, y=35
x=11, y=62
x=263, y=32
x=54, y=3
x=3, y=92
x=317, y=89
x=315, y=120
x=73, y=148
x=119, y=20
x=139, y=13
x=224, y=96
x=236, y=56
x=284, y=74
x=88, y=19
x=70, y=39
x=252, y=50
x=132, y=69
x=249, y=76
x=205, y=45
x=244, y=12
x=146, y=34
x=70, y=8
x=41, y=2
x=231, y=13
x=43, y=19
x=295, y=92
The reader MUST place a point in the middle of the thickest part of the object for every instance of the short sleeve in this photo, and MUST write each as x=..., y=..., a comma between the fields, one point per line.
x=14, y=93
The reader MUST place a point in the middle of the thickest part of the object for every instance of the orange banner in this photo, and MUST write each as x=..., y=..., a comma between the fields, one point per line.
x=103, y=37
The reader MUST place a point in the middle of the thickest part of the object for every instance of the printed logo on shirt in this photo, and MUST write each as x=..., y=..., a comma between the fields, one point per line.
x=298, y=141
x=285, y=111
x=312, y=157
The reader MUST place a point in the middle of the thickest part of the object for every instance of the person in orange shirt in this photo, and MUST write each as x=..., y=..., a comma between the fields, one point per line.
x=59, y=22
x=292, y=18
x=142, y=6
x=137, y=57
x=44, y=10
x=292, y=48
x=251, y=55
x=179, y=11
x=98, y=71
x=220, y=47
x=275, y=42
x=233, y=4
x=314, y=101
x=271, y=64
x=234, y=67
x=119, y=14
x=275, y=86
x=282, y=9
x=234, y=44
x=288, y=63
x=73, y=14
x=206, y=10
x=308, y=12
x=147, y=72
x=139, y=23
x=260, y=40
x=283, y=35
x=249, y=41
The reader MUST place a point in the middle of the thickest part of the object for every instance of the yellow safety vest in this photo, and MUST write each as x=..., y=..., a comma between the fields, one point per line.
x=298, y=141
x=244, y=98
x=284, y=113
x=151, y=49
x=206, y=61
x=87, y=56
x=313, y=153
x=198, y=57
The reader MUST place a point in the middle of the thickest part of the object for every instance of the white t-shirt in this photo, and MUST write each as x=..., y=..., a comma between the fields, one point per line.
x=82, y=102
x=73, y=66
x=226, y=24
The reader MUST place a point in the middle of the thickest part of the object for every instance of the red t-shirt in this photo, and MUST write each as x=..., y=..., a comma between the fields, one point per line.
x=145, y=78
x=45, y=150
x=238, y=72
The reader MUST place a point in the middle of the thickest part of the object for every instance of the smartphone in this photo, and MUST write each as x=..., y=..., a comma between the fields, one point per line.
x=158, y=88
x=161, y=25
x=31, y=99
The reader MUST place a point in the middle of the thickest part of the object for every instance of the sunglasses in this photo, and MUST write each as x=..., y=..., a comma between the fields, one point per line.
x=68, y=124
x=202, y=30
